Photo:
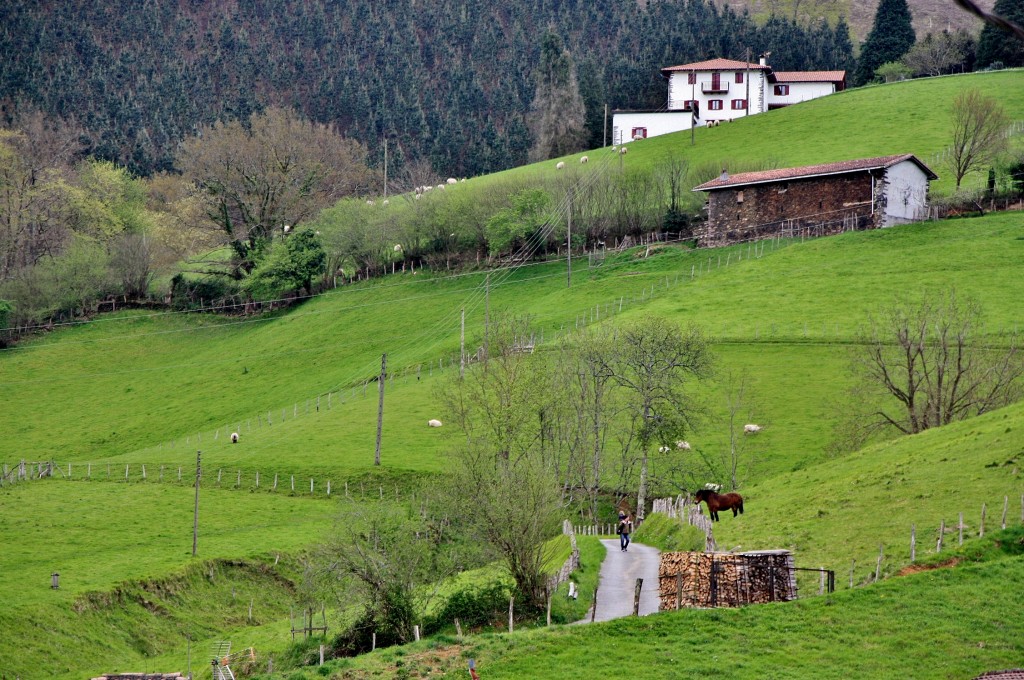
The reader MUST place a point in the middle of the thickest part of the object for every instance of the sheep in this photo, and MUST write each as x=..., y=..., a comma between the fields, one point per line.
x=398, y=247
x=286, y=228
x=440, y=186
x=434, y=423
x=623, y=149
x=452, y=180
x=385, y=202
x=615, y=147
x=419, y=196
x=584, y=159
x=751, y=428
x=560, y=165
x=234, y=437
x=463, y=179
x=664, y=449
x=428, y=188
x=684, y=446
x=370, y=202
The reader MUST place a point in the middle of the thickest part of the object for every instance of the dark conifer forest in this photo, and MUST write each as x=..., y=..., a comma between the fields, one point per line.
x=448, y=82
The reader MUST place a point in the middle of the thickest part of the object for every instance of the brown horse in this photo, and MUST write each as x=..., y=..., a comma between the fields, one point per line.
x=716, y=502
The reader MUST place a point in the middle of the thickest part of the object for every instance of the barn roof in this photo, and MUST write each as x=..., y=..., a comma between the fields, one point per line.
x=807, y=171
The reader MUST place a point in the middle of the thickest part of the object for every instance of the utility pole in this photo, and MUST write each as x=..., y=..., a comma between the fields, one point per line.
x=385, y=167
x=195, y=513
x=380, y=403
x=487, y=320
x=693, y=106
x=568, y=244
x=605, y=137
x=462, y=346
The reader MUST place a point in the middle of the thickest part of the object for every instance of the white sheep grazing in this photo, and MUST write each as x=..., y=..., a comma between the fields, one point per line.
x=584, y=159
x=751, y=428
x=615, y=147
x=440, y=186
x=234, y=437
x=664, y=449
x=419, y=196
x=425, y=189
x=685, y=446
x=398, y=247
x=560, y=165
x=463, y=179
x=624, y=149
x=452, y=180
x=385, y=202
x=434, y=423
x=370, y=202
x=286, y=228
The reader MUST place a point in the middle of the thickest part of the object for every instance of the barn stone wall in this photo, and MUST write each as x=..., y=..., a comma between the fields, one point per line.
x=817, y=206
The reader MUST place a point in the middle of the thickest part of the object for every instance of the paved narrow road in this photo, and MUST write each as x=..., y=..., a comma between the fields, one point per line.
x=619, y=573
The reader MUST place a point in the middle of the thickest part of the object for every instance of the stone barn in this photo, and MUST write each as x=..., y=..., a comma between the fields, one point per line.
x=815, y=200
x=718, y=579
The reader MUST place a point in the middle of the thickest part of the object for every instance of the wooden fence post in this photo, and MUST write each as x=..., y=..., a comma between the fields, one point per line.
x=458, y=629
x=511, y=603
x=636, y=596
x=942, y=533
x=878, y=564
x=593, y=612
x=913, y=543
x=981, y=529
x=1002, y=524
x=852, y=567
x=960, y=528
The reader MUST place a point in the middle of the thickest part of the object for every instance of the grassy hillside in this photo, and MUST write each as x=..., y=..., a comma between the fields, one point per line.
x=880, y=120
x=137, y=388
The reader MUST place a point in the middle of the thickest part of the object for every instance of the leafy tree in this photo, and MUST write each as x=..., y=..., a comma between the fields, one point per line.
x=519, y=224
x=996, y=45
x=277, y=171
x=291, y=265
x=891, y=36
x=557, y=111
x=893, y=72
x=979, y=126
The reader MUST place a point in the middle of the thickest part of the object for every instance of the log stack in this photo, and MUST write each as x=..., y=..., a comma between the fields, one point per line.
x=715, y=579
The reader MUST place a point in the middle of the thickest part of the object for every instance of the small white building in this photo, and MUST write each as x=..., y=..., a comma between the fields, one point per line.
x=720, y=90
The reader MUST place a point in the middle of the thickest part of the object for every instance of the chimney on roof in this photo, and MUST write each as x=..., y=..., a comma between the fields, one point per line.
x=763, y=59
x=724, y=176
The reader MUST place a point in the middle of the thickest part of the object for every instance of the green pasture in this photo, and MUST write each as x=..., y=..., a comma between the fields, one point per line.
x=879, y=120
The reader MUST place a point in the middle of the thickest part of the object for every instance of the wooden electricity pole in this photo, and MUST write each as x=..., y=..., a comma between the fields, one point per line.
x=487, y=320
x=462, y=346
x=568, y=243
x=195, y=513
x=380, y=404
x=385, y=167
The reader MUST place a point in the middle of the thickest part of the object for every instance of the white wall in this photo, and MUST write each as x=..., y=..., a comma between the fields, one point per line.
x=657, y=123
x=680, y=91
x=800, y=92
x=906, y=188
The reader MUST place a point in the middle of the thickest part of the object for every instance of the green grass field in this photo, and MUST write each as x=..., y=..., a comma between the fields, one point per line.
x=134, y=389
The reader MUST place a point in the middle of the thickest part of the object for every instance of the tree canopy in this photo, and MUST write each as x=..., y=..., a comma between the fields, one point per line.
x=891, y=36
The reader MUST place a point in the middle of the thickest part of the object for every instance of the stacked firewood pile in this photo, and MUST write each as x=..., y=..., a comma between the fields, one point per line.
x=715, y=579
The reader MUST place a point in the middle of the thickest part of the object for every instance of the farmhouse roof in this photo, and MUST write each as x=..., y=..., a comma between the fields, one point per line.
x=716, y=65
x=807, y=171
x=810, y=76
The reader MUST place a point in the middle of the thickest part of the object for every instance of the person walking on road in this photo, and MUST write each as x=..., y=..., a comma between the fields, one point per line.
x=625, y=528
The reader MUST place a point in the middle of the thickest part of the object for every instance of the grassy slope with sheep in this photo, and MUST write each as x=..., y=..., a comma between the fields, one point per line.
x=120, y=390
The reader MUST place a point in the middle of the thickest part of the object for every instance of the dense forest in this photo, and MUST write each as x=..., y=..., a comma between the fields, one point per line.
x=449, y=83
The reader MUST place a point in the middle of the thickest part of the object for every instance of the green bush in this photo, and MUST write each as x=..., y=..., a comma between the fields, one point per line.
x=473, y=607
x=669, y=535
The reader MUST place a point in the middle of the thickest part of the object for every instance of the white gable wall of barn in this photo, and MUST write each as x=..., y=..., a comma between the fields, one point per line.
x=905, y=188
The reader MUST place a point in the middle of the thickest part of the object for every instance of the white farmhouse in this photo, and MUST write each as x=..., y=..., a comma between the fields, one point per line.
x=719, y=90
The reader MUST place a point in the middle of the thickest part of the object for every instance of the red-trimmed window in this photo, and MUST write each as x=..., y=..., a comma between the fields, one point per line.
x=739, y=104
x=688, y=104
x=715, y=104
x=639, y=133
x=691, y=78
x=781, y=90
x=739, y=77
